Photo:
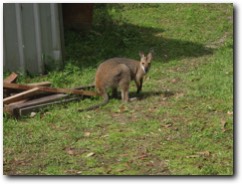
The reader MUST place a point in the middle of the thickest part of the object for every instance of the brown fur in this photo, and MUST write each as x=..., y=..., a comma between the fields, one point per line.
x=118, y=73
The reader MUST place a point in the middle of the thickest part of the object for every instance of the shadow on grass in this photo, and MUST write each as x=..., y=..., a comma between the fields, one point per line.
x=110, y=38
x=147, y=94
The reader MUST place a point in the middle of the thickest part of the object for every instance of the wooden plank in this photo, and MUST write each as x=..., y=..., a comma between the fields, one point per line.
x=13, y=109
x=46, y=99
x=46, y=83
x=36, y=84
x=86, y=87
x=18, y=102
x=11, y=78
x=49, y=89
x=35, y=108
x=21, y=96
x=17, y=109
x=7, y=108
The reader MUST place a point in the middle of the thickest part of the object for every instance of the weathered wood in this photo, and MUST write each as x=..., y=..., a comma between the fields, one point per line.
x=46, y=83
x=86, y=87
x=7, y=108
x=35, y=108
x=27, y=106
x=14, y=108
x=21, y=96
x=49, y=89
x=9, y=92
x=46, y=99
x=11, y=78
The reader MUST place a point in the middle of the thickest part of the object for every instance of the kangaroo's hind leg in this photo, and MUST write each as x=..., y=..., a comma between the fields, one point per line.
x=125, y=94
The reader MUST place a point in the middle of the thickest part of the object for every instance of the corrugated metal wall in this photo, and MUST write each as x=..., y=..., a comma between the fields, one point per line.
x=32, y=36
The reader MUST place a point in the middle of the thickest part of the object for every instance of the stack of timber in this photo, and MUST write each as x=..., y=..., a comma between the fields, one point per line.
x=22, y=99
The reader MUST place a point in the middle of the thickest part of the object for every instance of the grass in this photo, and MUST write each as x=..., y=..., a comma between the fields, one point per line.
x=183, y=122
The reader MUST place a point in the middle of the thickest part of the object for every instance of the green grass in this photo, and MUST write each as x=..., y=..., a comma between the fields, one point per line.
x=182, y=124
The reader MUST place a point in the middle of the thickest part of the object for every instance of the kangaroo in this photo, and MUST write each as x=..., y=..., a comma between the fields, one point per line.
x=118, y=73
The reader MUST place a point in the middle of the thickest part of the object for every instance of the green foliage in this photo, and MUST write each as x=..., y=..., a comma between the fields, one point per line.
x=182, y=123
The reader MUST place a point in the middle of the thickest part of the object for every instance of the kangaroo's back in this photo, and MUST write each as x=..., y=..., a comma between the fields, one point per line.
x=132, y=64
x=111, y=74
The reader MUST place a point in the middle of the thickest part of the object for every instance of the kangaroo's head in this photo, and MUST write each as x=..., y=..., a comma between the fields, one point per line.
x=145, y=61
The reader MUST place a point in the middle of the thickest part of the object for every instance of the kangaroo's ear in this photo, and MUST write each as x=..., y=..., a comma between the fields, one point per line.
x=141, y=54
x=149, y=56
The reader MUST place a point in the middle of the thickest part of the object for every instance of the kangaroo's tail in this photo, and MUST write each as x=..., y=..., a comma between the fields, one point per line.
x=105, y=101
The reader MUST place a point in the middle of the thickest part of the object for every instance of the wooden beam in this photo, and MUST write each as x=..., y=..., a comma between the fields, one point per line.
x=9, y=92
x=14, y=108
x=41, y=100
x=49, y=89
x=11, y=78
x=7, y=108
x=21, y=96
x=35, y=108
x=86, y=87
x=46, y=83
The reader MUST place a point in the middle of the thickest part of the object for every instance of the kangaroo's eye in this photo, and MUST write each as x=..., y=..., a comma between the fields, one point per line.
x=143, y=63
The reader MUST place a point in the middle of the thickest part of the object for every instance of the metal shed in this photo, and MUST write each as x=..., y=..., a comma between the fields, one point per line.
x=32, y=37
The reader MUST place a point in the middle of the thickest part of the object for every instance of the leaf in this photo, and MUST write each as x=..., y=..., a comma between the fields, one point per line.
x=167, y=125
x=122, y=108
x=73, y=171
x=230, y=113
x=70, y=151
x=74, y=151
x=120, y=169
x=200, y=154
x=175, y=80
x=90, y=154
x=204, y=153
x=32, y=114
x=143, y=156
x=88, y=116
x=223, y=124
x=87, y=134
x=105, y=136
x=179, y=95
